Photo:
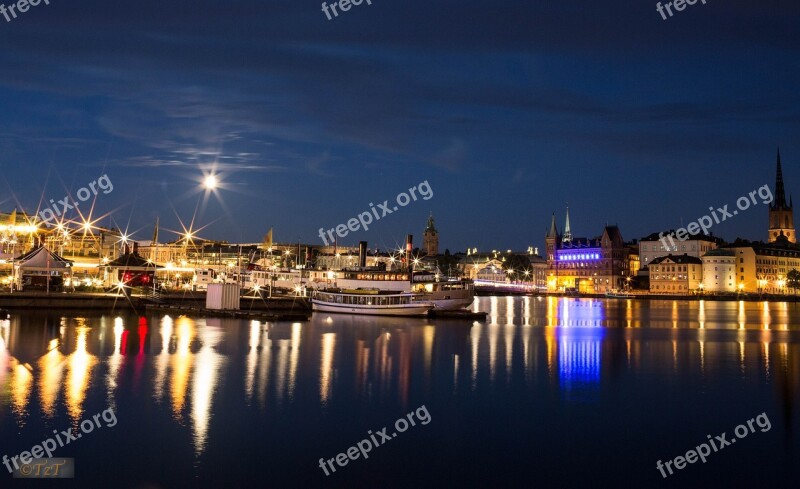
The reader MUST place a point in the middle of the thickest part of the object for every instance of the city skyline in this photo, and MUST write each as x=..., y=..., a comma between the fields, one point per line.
x=509, y=113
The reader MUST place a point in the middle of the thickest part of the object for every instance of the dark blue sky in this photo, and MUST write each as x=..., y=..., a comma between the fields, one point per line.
x=508, y=109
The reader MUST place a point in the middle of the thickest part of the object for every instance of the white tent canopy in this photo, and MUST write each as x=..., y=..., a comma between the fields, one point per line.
x=42, y=259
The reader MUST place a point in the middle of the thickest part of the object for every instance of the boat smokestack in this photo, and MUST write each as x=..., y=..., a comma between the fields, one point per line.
x=362, y=254
x=409, y=247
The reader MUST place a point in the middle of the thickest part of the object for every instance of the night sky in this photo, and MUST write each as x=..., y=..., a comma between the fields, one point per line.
x=508, y=109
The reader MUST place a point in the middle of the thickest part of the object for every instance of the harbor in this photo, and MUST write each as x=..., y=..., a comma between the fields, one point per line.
x=407, y=245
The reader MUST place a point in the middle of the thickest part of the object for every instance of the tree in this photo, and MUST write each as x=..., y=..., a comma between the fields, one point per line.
x=447, y=263
x=793, y=280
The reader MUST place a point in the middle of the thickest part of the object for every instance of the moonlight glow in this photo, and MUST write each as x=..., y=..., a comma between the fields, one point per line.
x=210, y=182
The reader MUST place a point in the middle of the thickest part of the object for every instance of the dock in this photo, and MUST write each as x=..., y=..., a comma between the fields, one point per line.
x=457, y=314
x=256, y=314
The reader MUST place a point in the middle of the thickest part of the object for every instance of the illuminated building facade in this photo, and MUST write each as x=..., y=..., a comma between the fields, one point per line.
x=588, y=265
x=17, y=234
x=719, y=271
x=676, y=274
x=763, y=267
x=653, y=246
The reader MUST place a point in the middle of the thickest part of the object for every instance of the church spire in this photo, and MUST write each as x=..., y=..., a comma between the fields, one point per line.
x=553, y=233
x=430, y=226
x=567, y=231
x=780, y=193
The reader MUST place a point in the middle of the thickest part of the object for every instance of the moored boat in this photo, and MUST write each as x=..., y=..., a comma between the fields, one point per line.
x=618, y=294
x=369, y=302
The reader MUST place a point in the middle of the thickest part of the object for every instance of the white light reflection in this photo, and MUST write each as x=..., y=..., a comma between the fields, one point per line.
x=326, y=366
x=207, y=366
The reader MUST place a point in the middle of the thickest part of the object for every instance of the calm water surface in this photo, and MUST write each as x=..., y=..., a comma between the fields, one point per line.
x=548, y=392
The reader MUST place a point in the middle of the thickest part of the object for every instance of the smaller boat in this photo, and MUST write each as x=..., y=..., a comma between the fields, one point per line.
x=618, y=294
x=369, y=302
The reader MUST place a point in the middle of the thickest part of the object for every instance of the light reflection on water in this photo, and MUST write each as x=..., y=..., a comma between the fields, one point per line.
x=52, y=367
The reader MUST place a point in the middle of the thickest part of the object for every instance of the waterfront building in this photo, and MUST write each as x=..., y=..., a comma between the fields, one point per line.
x=676, y=274
x=88, y=247
x=719, y=271
x=781, y=215
x=472, y=264
x=17, y=234
x=634, y=261
x=350, y=258
x=492, y=273
x=538, y=272
x=431, y=238
x=763, y=267
x=130, y=269
x=656, y=246
x=589, y=265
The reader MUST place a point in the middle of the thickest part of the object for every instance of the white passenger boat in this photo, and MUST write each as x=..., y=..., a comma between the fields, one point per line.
x=370, y=302
x=426, y=286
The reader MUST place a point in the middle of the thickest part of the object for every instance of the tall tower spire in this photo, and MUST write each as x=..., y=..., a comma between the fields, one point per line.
x=780, y=193
x=553, y=233
x=431, y=238
x=781, y=216
x=567, y=231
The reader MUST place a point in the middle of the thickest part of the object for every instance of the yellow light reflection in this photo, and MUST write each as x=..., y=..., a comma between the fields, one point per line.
x=475, y=339
x=742, y=317
x=252, y=360
x=294, y=358
x=21, y=382
x=326, y=366
x=51, y=368
x=162, y=361
x=181, y=365
x=79, y=365
x=428, y=333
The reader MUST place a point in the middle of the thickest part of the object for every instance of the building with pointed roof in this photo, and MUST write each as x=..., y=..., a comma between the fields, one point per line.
x=781, y=215
x=588, y=265
x=430, y=239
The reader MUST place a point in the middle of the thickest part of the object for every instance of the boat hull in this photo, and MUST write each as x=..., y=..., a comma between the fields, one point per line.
x=413, y=309
x=451, y=304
